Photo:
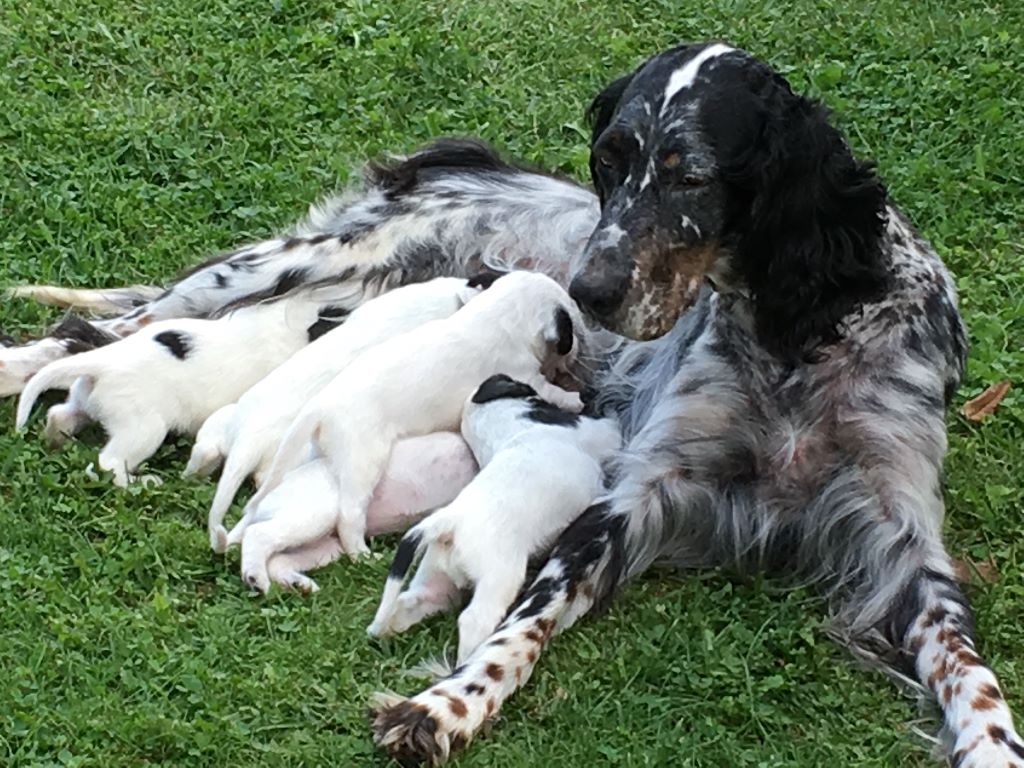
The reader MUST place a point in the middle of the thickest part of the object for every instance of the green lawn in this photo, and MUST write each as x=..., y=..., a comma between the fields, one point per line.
x=137, y=137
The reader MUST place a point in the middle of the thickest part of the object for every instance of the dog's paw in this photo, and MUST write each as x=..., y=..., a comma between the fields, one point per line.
x=411, y=731
x=301, y=583
x=996, y=747
x=219, y=539
x=257, y=580
x=356, y=549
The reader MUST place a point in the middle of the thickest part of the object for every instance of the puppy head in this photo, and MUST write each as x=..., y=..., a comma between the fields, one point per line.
x=709, y=166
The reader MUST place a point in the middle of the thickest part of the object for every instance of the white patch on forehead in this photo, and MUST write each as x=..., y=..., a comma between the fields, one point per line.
x=687, y=74
x=687, y=223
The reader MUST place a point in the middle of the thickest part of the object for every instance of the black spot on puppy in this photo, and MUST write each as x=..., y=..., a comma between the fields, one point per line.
x=179, y=344
x=544, y=412
x=499, y=387
x=484, y=279
x=330, y=318
x=222, y=280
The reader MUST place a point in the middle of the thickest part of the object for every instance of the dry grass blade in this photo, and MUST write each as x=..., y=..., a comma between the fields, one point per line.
x=981, y=406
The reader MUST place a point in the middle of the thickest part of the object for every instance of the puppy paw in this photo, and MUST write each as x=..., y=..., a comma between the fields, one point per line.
x=301, y=583
x=356, y=549
x=256, y=580
x=219, y=540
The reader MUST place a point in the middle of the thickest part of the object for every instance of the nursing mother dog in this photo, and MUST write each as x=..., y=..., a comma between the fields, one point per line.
x=793, y=344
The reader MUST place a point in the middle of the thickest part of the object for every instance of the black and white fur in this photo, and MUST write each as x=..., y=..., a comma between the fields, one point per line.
x=787, y=417
x=248, y=432
x=169, y=377
x=417, y=383
x=540, y=467
x=799, y=403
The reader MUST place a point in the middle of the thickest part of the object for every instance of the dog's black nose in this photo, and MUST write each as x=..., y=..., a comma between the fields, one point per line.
x=600, y=295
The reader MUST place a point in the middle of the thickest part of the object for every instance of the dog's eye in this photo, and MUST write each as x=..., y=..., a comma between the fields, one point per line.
x=671, y=160
x=605, y=162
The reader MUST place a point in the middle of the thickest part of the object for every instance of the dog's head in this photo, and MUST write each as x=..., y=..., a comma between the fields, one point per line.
x=709, y=166
x=534, y=303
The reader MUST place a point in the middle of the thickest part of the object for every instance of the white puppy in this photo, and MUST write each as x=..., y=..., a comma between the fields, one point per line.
x=540, y=468
x=248, y=432
x=170, y=376
x=524, y=325
x=294, y=528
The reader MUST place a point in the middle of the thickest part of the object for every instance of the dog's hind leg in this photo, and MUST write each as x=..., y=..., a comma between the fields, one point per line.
x=67, y=418
x=132, y=440
x=288, y=568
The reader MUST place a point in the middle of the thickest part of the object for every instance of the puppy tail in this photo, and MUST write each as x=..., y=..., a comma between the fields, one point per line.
x=101, y=301
x=290, y=452
x=410, y=548
x=60, y=374
x=240, y=463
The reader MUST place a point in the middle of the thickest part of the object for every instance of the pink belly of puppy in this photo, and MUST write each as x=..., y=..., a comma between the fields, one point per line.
x=423, y=473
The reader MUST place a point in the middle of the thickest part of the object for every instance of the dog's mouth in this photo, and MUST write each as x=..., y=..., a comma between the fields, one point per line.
x=663, y=284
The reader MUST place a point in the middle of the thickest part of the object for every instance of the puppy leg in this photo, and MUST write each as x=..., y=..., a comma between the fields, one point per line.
x=211, y=443
x=431, y=591
x=567, y=401
x=491, y=600
x=64, y=420
x=357, y=470
x=288, y=568
x=131, y=443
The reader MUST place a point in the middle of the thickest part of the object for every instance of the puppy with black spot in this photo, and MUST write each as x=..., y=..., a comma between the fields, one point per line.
x=294, y=528
x=248, y=432
x=170, y=376
x=525, y=324
x=540, y=468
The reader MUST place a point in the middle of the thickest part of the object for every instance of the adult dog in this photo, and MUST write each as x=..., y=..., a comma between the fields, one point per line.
x=790, y=420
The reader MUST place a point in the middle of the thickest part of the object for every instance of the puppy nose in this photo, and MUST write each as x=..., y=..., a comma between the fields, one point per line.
x=599, y=294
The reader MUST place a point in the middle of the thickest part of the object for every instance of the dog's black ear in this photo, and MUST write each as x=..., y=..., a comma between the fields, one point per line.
x=500, y=386
x=811, y=218
x=559, y=332
x=484, y=279
x=601, y=110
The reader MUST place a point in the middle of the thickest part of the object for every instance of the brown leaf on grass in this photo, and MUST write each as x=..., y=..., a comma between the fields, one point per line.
x=964, y=570
x=981, y=406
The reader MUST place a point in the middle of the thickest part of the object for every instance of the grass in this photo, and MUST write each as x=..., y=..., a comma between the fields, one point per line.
x=137, y=137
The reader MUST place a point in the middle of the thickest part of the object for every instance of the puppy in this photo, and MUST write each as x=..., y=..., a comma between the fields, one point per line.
x=169, y=377
x=248, y=432
x=294, y=528
x=541, y=467
x=524, y=324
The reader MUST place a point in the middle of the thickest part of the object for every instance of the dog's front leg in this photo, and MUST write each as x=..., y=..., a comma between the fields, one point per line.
x=430, y=726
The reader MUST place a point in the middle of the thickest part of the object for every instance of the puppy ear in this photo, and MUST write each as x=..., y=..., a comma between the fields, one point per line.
x=601, y=110
x=559, y=332
x=501, y=386
x=809, y=248
x=484, y=279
